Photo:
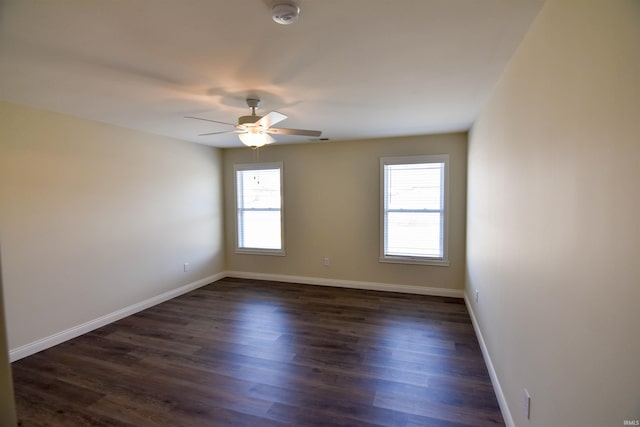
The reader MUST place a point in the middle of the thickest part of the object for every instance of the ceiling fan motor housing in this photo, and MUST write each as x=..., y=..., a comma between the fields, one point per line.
x=285, y=13
x=244, y=120
x=252, y=102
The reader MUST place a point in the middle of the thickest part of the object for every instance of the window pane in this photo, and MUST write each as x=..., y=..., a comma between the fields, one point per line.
x=414, y=186
x=413, y=203
x=260, y=188
x=259, y=207
x=259, y=229
x=413, y=234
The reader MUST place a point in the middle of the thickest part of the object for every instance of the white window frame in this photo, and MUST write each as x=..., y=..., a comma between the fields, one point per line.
x=259, y=166
x=444, y=224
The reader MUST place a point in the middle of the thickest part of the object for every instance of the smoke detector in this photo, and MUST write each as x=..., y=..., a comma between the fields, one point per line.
x=285, y=13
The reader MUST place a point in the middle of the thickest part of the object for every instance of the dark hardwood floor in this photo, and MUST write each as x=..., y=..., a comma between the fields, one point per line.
x=254, y=353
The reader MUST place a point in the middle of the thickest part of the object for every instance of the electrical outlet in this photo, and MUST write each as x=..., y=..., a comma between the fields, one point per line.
x=325, y=261
x=527, y=404
x=187, y=266
x=477, y=292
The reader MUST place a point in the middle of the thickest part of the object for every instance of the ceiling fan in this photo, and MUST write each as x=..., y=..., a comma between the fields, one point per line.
x=255, y=131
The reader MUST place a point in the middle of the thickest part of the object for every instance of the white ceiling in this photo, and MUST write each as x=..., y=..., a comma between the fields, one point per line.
x=351, y=68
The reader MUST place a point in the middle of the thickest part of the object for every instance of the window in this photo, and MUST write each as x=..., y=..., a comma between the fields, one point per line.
x=259, y=208
x=414, y=209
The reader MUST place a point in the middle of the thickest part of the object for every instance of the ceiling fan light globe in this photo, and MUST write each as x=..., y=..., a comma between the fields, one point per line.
x=254, y=140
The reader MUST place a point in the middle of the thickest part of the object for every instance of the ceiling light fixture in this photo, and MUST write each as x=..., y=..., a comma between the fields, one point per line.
x=255, y=131
x=255, y=137
x=285, y=13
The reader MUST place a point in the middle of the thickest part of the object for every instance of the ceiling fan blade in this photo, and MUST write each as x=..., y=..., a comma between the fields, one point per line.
x=270, y=119
x=217, y=133
x=209, y=120
x=269, y=139
x=303, y=132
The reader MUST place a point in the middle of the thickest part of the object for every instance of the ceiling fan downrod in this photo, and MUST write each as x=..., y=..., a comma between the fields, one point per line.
x=253, y=118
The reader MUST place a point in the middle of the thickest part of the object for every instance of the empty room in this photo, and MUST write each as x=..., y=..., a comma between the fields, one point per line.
x=320, y=213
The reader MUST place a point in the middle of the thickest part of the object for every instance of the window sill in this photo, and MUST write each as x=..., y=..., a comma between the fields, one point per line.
x=418, y=261
x=256, y=251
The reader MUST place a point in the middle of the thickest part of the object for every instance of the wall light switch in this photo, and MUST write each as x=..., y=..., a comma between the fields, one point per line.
x=187, y=266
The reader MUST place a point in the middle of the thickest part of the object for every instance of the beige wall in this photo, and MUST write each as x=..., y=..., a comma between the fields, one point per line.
x=332, y=208
x=553, y=217
x=7, y=404
x=95, y=218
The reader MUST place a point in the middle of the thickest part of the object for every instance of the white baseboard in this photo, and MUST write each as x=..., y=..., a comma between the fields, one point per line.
x=60, y=337
x=372, y=286
x=502, y=401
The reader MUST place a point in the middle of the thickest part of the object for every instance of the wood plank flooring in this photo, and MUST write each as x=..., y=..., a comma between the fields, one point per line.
x=255, y=353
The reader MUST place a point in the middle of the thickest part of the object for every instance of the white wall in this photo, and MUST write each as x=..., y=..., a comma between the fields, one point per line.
x=332, y=208
x=95, y=218
x=553, y=242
